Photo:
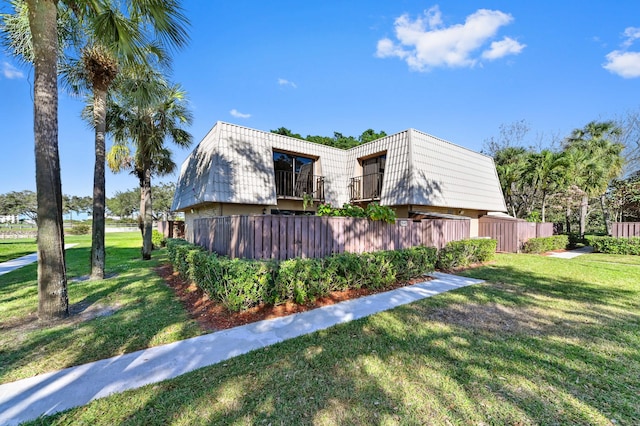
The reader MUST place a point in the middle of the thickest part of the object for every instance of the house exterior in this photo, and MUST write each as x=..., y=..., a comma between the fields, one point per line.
x=237, y=170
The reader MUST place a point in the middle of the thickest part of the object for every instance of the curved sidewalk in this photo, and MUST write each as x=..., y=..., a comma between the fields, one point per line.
x=13, y=264
x=49, y=393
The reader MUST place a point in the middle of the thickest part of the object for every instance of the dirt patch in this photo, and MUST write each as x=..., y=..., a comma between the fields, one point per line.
x=212, y=316
x=78, y=313
x=492, y=317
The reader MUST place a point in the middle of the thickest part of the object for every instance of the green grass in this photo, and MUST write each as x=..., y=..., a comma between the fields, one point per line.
x=545, y=341
x=146, y=312
x=14, y=248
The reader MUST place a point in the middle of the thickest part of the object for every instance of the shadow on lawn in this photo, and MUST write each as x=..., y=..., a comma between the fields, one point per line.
x=142, y=308
x=532, y=351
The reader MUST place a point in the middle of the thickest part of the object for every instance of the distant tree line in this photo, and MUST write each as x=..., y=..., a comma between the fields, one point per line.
x=123, y=204
x=338, y=140
x=583, y=179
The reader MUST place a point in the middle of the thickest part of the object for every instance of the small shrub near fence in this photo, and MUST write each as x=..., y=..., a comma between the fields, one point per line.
x=157, y=239
x=79, y=229
x=239, y=283
x=460, y=254
x=614, y=245
x=545, y=244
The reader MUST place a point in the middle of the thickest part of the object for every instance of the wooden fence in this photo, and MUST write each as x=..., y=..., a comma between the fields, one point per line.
x=286, y=237
x=625, y=229
x=512, y=233
x=171, y=228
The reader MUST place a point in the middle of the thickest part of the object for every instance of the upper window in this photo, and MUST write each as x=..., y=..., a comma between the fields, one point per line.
x=294, y=174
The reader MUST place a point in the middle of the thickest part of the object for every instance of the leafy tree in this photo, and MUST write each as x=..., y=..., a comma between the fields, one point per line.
x=141, y=130
x=597, y=160
x=124, y=203
x=286, y=132
x=76, y=204
x=370, y=135
x=624, y=198
x=510, y=165
x=162, y=200
x=21, y=203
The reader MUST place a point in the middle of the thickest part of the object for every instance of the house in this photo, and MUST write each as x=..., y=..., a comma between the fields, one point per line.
x=235, y=170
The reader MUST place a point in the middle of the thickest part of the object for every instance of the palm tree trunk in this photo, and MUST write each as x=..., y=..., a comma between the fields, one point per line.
x=145, y=212
x=606, y=215
x=584, y=205
x=567, y=217
x=97, y=229
x=53, y=300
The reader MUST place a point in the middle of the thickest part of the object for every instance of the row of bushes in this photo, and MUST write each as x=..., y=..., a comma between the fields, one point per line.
x=545, y=244
x=614, y=245
x=239, y=283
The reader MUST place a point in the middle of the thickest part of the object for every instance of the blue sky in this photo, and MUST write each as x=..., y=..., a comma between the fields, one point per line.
x=456, y=70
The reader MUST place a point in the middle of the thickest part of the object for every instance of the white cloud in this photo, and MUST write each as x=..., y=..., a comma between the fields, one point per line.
x=631, y=34
x=426, y=43
x=11, y=72
x=234, y=112
x=625, y=64
x=284, y=82
x=504, y=47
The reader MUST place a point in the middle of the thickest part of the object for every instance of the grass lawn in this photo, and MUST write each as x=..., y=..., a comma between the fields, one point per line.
x=143, y=311
x=14, y=248
x=544, y=341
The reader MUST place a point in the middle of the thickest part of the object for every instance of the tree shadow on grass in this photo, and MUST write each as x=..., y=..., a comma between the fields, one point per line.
x=534, y=350
x=144, y=313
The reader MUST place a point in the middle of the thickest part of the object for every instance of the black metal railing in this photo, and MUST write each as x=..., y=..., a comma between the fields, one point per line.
x=296, y=185
x=366, y=187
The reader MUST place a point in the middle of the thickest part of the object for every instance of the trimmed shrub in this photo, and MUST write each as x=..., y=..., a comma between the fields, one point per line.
x=239, y=284
x=544, y=244
x=157, y=239
x=614, y=245
x=463, y=253
x=574, y=240
x=79, y=229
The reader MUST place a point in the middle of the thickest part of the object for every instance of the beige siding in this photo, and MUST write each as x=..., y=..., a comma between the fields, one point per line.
x=234, y=165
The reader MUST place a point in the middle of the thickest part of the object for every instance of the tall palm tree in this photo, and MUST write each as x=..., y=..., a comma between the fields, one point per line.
x=115, y=39
x=599, y=161
x=141, y=128
x=40, y=45
x=49, y=30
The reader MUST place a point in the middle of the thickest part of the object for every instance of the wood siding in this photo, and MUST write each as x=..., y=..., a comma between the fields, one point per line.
x=625, y=229
x=512, y=234
x=286, y=237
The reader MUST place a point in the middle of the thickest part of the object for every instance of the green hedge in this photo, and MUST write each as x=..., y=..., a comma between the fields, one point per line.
x=239, y=284
x=613, y=245
x=463, y=253
x=545, y=244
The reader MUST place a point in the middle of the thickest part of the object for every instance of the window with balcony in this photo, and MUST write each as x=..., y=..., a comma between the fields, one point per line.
x=295, y=178
x=369, y=185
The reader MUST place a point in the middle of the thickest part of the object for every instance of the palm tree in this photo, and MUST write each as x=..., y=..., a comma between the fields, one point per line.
x=40, y=18
x=543, y=173
x=113, y=40
x=141, y=128
x=40, y=45
x=597, y=160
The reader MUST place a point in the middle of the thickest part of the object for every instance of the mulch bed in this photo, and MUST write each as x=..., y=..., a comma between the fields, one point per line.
x=213, y=317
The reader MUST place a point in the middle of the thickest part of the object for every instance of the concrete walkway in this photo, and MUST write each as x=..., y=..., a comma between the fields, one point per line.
x=570, y=254
x=10, y=265
x=59, y=390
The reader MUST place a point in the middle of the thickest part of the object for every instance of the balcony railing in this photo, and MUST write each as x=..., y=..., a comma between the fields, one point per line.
x=296, y=185
x=366, y=187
